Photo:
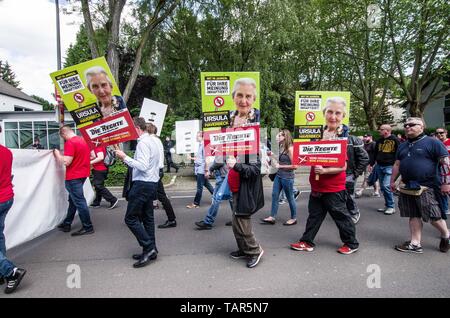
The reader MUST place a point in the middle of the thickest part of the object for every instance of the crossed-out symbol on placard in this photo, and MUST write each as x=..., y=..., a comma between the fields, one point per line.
x=302, y=159
x=219, y=101
x=214, y=150
x=96, y=142
x=78, y=97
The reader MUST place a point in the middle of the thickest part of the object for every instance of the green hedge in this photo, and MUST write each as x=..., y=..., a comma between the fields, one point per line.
x=116, y=174
x=118, y=171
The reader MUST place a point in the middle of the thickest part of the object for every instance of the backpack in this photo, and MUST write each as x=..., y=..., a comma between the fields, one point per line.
x=110, y=157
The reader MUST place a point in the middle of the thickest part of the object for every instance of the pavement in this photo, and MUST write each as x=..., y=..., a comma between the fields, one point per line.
x=196, y=264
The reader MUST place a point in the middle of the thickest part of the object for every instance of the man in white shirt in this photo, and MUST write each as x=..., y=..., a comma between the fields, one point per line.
x=139, y=216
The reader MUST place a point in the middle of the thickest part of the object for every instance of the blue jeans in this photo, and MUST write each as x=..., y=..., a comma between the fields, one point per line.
x=6, y=267
x=216, y=199
x=384, y=176
x=78, y=202
x=202, y=181
x=288, y=187
x=139, y=216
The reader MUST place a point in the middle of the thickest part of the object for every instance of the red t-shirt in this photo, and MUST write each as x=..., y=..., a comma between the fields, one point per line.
x=80, y=167
x=327, y=182
x=6, y=188
x=100, y=166
x=234, y=180
x=447, y=145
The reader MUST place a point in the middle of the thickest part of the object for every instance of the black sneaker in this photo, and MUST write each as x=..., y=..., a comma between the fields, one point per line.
x=83, y=231
x=409, y=248
x=14, y=280
x=64, y=227
x=229, y=223
x=113, y=204
x=254, y=259
x=296, y=195
x=94, y=206
x=444, y=245
x=168, y=224
x=238, y=254
x=203, y=226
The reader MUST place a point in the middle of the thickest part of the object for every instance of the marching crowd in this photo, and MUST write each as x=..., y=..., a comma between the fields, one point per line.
x=421, y=161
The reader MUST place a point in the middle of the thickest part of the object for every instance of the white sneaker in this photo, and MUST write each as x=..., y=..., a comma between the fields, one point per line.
x=389, y=211
x=376, y=194
x=358, y=194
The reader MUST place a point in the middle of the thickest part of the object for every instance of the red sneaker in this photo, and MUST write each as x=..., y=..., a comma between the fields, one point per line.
x=302, y=246
x=346, y=250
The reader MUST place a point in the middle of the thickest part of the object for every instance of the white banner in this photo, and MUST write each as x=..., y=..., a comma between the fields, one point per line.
x=154, y=112
x=40, y=197
x=186, y=136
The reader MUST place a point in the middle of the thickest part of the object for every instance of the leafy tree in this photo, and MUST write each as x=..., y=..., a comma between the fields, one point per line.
x=419, y=36
x=46, y=105
x=7, y=74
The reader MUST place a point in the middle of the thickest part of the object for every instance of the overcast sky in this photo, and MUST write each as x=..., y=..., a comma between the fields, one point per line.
x=28, y=41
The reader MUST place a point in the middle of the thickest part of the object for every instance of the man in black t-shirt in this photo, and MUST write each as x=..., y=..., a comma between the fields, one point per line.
x=384, y=157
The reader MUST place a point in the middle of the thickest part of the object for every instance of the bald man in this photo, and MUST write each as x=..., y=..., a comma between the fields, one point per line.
x=384, y=157
x=76, y=158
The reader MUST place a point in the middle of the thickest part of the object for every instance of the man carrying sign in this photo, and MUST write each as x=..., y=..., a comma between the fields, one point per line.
x=328, y=192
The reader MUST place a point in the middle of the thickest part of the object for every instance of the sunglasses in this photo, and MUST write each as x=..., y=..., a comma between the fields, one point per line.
x=440, y=132
x=409, y=125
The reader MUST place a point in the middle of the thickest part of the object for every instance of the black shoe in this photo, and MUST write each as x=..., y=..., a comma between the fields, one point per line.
x=176, y=170
x=168, y=224
x=94, y=206
x=254, y=259
x=64, y=227
x=229, y=223
x=2, y=280
x=203, y=226
x=146, y=258
x=136, y=256
x=444, y=245
x=14, y=280
x=238, y=254
x=112, y=205
x=83, y=232
x=296, y=195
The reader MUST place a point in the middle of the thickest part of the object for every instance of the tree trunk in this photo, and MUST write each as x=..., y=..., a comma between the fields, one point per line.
x=113, y=40
x=153, y=23
x=415, y=110
x=89, y=28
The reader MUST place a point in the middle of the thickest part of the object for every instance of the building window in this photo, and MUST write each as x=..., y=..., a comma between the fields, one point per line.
x=447, y=116
x=22, y=134
x=11, y=135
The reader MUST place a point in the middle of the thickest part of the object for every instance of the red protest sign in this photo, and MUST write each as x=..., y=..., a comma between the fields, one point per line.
x=329, y=153
x=232, y=141
x=111, y=130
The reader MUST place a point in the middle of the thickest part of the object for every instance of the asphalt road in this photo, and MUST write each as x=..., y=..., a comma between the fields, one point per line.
x=193, y=263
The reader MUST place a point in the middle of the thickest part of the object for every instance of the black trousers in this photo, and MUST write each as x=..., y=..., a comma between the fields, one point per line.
x=162, y=196
x=100, y=190
x=139, y=216
x=170, y=163
x=335, y=204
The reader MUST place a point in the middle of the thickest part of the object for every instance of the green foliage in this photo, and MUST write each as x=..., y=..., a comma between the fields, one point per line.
x=7, y=74
x=295, y=45
x=80, y=51
x=46, y=105
x=117, y=173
